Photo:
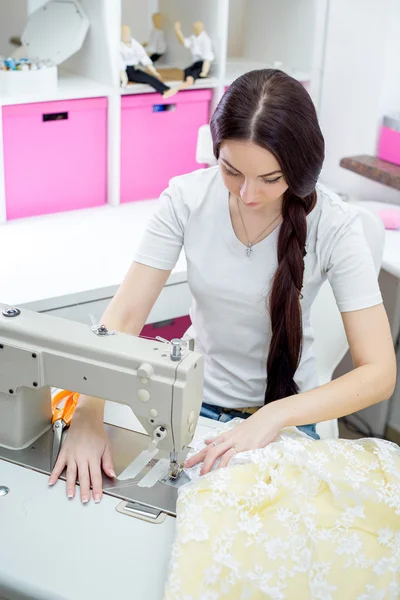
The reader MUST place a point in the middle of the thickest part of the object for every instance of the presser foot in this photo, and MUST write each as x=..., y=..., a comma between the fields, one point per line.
x=175, y=470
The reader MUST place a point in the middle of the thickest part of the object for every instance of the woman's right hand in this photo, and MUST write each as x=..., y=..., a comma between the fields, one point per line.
x=85, y=452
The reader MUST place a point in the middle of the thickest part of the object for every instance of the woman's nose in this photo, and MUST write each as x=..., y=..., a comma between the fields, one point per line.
x=248, y=192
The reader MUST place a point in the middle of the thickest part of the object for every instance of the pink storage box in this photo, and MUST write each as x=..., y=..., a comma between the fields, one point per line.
x=158, y=140
x=389, y=139
x=55, y=156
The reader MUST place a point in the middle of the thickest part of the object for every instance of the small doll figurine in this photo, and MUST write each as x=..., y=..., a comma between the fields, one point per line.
x=157, y=45
x=202, y=53
x=132, y=54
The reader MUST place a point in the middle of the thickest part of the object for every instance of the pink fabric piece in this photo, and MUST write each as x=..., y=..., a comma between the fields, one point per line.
x=390, y=218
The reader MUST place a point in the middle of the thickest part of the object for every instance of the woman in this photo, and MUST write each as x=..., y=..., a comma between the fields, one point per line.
x=260, y=236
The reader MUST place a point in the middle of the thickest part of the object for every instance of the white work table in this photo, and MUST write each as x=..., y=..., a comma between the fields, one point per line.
x=60, y=260
x=52, y=548
x=81, y=256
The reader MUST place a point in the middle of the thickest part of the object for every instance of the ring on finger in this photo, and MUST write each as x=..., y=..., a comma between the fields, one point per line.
x=234, y=448
x=213, y=444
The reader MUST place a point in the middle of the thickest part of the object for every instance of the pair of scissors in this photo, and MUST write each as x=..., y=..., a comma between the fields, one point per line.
x=61, y=419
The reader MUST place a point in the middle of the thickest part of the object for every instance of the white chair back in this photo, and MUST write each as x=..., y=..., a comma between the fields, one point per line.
x=330, y=343
x=204, y=149
x=330, y=338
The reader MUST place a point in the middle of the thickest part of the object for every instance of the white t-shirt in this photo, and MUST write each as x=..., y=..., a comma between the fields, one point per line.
x=157, y=43
x=131, y=56
x=201, y=46
x=229, y=311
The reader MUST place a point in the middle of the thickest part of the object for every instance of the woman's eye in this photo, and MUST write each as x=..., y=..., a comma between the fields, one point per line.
x=230, y=173
x=272, y=180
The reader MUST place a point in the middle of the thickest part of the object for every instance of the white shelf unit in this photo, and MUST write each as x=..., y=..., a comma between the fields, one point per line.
x=70, y=86
x=286, y=34
x=91, y=72
x=213, y=14
x=245, y=35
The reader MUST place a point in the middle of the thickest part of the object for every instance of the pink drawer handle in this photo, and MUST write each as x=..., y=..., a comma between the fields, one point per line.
x=60, y=116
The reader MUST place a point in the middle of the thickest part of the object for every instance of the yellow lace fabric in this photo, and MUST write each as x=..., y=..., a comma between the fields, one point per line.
x=299, y=520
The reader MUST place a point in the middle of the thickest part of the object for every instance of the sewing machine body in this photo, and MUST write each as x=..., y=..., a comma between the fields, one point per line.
x=53, y=548
x=161, y=382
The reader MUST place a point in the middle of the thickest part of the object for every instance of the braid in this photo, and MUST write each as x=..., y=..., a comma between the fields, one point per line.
x=272, y=110
x=285, y=309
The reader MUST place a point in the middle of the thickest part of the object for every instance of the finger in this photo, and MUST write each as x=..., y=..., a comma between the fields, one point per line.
x=225, y=459
x=212, y=455
x=199, y=457
x=84, y=481
x=96, y=479
x=216, y=441
x=58, y=468
x=71, y=478
x=108, y=463
x=196, y=458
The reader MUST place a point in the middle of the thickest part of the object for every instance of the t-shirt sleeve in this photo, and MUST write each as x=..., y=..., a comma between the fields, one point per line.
x=350, y=268
x=163, y=240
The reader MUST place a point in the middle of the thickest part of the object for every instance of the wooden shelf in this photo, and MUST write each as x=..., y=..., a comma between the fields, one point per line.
x=373, y=168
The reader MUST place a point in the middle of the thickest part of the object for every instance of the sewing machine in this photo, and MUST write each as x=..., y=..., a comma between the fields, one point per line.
x=162, y=384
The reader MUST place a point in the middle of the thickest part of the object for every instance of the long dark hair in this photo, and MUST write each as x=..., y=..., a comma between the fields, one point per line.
x=274, y=111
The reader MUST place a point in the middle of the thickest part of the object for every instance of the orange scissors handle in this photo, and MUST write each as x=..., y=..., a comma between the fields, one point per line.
x=65, y=413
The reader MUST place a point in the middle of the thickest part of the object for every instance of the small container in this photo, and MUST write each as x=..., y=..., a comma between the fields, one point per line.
x=389, y=139
x=53, y=33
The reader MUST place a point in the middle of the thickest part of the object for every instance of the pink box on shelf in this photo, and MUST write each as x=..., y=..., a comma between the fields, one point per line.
x=389, y=139
x=55, y=156
x=158, y=140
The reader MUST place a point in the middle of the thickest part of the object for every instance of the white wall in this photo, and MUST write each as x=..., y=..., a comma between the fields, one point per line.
x=137, y=14
x=361, y=79
x=235, y=28
x=264, y=24
x=391, y=64
x=188, y=11
x=13, y=15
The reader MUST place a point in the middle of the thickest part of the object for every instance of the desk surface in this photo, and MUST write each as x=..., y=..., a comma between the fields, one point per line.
x=86, y=253
x=53, y=548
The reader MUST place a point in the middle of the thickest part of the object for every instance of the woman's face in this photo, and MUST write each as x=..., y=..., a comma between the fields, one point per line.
x=251, y=174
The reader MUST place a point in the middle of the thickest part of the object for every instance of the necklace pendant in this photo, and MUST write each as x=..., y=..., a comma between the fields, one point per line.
x=249, y=250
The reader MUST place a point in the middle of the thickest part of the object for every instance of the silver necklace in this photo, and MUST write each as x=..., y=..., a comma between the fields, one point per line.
x=249, y=249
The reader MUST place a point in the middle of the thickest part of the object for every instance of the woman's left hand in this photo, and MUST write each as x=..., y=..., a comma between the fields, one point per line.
x=255, y=432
